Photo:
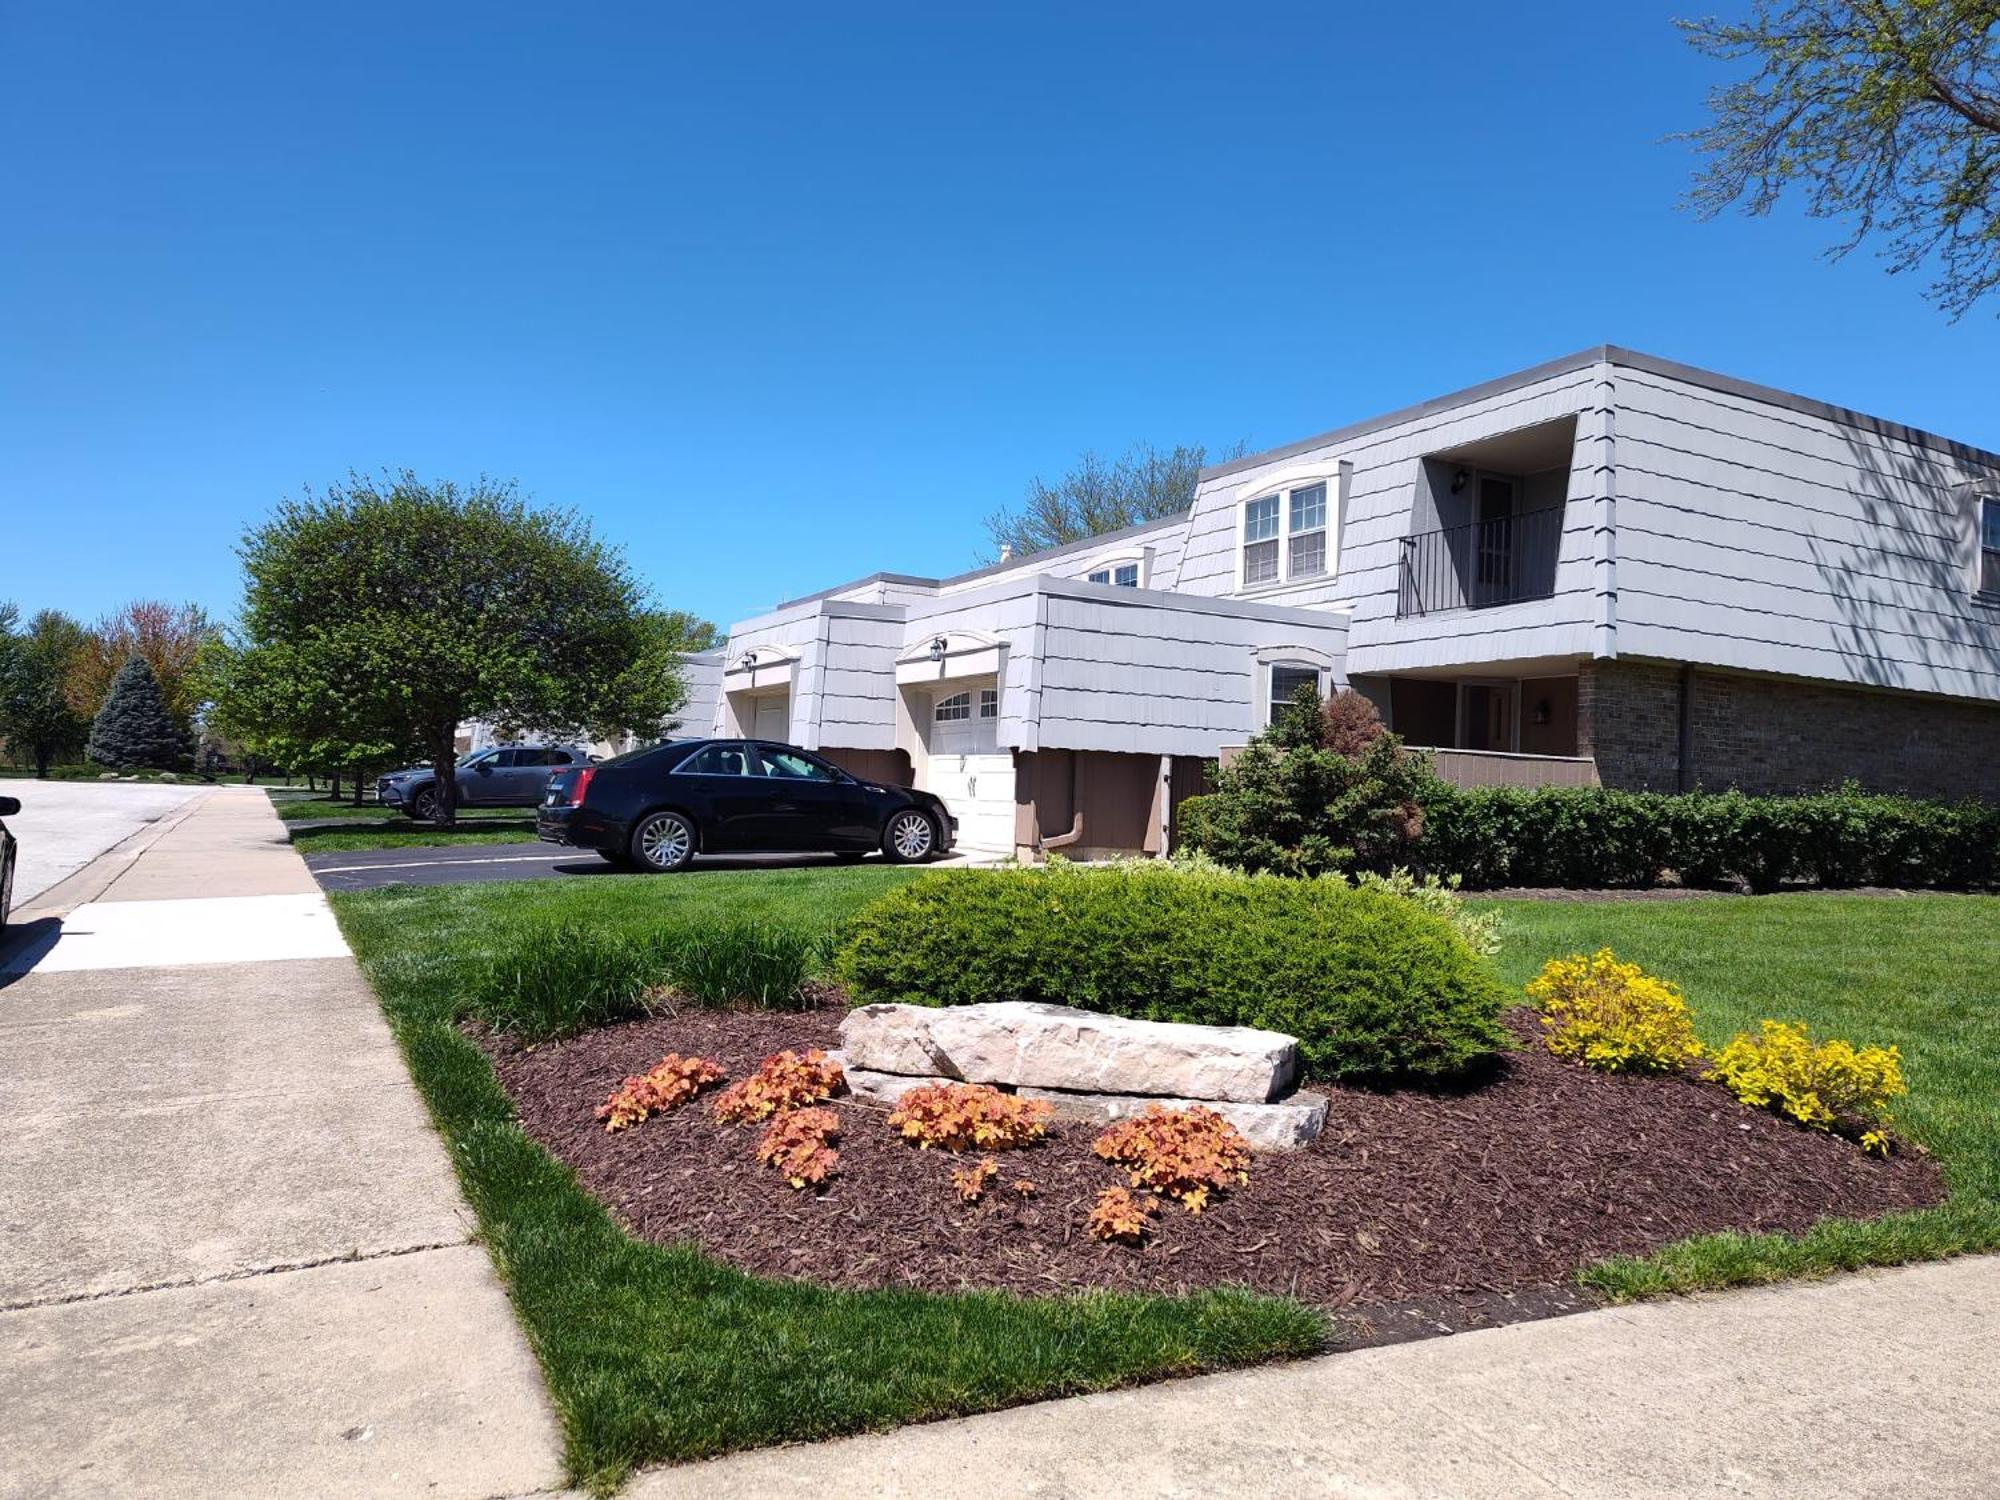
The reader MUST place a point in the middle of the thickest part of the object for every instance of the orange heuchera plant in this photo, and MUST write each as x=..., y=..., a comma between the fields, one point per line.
x=671, y=1082
x=785, y=1081
x=796, y=1144
x=1117, y=1215
x=958, y=1116
x=1184, y=1153
x=971, y=1181
x=1024, y=1187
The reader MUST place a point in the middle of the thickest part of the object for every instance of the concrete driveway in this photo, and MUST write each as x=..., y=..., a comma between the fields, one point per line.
x=64, y=825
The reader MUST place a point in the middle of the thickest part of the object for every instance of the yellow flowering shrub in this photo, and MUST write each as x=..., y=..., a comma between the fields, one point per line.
x=1830, y=1085
x=1613, y=1016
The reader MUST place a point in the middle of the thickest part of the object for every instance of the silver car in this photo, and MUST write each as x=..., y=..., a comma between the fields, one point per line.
x=500, y=776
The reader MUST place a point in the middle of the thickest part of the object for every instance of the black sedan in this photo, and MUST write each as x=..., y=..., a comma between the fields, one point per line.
x=655, y=809
x=9, y=806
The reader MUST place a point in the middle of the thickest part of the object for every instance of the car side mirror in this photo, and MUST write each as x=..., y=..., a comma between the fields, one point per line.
x=485, y=768
x=9, y=806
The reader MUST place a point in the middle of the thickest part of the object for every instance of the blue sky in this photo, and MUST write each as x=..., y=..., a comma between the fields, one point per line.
x=780, y=295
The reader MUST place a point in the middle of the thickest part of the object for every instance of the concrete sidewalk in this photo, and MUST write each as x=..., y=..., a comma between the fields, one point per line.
x=1879, y=1385
x=233, y=1259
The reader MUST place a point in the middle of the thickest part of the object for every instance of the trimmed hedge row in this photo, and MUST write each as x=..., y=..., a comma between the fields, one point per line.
x=1579, y=837
x=1371, y=985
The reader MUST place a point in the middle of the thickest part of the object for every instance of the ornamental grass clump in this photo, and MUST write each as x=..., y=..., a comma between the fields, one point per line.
x=1613, y=1016
x=743, y=961
x=1830, y=1085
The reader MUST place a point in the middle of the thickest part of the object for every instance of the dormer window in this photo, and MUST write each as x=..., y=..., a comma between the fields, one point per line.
x=1260, y=541
x=1285, y=535
x=1306, y=532
x=1124, y=575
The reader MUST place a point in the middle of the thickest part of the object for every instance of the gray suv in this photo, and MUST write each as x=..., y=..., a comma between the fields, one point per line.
x=504, y=776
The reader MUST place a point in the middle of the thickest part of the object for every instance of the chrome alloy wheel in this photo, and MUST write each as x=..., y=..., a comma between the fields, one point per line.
x=911, y=835
x=665, y=842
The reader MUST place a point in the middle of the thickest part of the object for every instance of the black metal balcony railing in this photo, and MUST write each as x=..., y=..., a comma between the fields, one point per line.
x=1501, y=561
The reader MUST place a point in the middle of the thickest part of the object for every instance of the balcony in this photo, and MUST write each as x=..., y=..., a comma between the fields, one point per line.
x=1501, y=561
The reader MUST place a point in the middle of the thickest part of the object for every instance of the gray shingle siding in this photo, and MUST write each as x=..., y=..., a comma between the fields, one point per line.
x=1767, y=539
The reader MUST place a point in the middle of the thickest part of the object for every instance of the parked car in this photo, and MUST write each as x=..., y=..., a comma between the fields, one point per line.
x=9, y=807
x=501, y=776
x=657, y=808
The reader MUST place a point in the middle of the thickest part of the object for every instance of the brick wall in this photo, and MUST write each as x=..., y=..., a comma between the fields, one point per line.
x=1773, y=735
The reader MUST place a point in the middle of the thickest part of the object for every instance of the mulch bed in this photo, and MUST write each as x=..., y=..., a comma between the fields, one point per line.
x=1432, y=1208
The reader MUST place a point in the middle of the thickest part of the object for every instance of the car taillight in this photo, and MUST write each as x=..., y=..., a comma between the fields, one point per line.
x=577, y=787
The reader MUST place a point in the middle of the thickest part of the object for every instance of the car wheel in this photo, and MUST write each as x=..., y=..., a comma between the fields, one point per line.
x=911, y=836
x=662, y=842
x=424, y=806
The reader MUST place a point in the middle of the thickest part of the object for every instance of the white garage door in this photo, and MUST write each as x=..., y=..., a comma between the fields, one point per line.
x=969, y=770
x=979, y=790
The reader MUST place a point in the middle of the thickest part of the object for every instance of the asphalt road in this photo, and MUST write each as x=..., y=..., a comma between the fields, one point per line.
x=368, y=869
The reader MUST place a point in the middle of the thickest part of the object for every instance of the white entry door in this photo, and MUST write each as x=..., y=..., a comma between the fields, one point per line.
x=968, y=769
x=773, y=719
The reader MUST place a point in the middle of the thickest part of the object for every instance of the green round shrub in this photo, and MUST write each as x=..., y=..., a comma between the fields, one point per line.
x=1373, y=987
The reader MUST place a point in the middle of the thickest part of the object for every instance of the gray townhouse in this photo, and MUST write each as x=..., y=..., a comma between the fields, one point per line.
x=1608, y=569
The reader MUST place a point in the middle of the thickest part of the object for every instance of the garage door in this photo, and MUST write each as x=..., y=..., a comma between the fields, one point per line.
x=968, y=769
x=979, y=790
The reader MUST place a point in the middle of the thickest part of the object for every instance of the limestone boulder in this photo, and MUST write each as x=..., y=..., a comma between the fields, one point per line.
x=1282, y=1125
x=1024, y=1044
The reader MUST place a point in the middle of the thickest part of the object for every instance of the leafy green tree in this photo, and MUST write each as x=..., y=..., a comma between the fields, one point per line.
x=1096, y=496
x=36, y=719
x=388, y=611
x=134, y=728
x=269, y=707
x=1292, y=804
x=1885, y=114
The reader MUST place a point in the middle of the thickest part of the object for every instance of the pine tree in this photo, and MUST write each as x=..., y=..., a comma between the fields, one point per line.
x=134, y=728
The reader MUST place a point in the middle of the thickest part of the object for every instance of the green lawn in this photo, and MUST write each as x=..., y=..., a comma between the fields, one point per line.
x=416, y=836
x=1920, y=971
x=379, y=827
x=660, y=1354
x=656, y=1353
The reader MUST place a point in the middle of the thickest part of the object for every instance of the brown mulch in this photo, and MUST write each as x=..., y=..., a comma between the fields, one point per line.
x=1429, y=1202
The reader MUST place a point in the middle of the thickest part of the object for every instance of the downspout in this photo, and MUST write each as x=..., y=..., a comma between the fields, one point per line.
x=1064, y=840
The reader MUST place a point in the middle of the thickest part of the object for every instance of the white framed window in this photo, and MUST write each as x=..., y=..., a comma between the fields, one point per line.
x=1288, y=530
x=1124, y=575
x=989, y=703
x=1260, y=540
x=1989, y=545
x=953, y=709
x=1305, y=532
x=1287, y=679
